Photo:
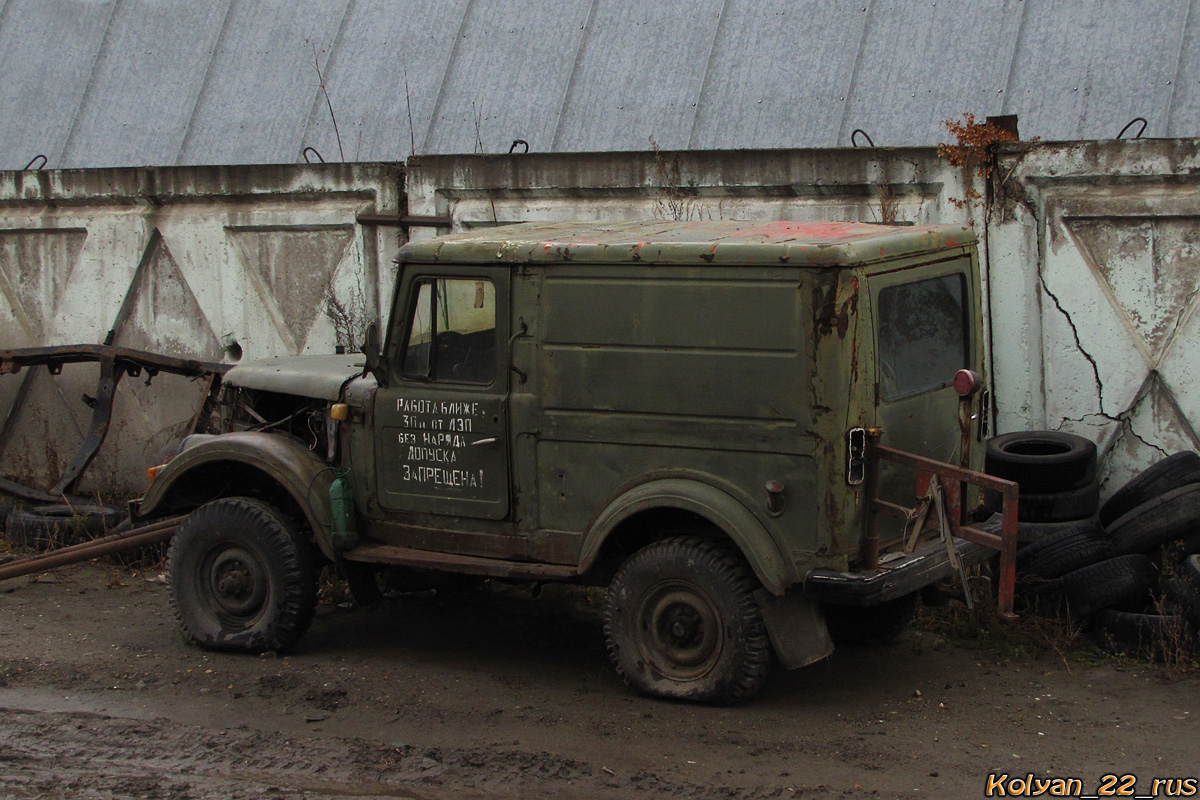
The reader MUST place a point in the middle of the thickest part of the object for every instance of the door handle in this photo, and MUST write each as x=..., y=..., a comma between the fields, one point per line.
x=489, y=440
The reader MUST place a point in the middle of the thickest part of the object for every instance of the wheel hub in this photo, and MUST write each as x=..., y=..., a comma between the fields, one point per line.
x=681, y=631
x=237, y=582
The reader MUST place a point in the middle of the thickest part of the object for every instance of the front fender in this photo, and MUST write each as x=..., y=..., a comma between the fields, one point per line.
x=284, y=461
x=709, y=502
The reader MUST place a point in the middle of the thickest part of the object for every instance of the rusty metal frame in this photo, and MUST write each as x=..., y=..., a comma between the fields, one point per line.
x=115, y=363
x=952, y=479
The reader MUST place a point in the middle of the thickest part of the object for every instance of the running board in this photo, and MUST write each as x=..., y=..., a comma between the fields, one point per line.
x=451, y=562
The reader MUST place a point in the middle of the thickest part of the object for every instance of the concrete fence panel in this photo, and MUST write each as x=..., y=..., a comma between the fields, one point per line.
x=220, y=264
x=1096, y=268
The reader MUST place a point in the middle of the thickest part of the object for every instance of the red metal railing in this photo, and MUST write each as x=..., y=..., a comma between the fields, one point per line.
x=952, y=480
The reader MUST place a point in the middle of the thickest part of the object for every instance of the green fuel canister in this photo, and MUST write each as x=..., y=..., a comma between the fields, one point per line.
x=341, y=513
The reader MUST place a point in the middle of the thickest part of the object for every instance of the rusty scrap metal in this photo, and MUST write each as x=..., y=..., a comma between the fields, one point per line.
x=950, y=483
x=154, y=533
x=1130, y=124
x=854, y=138
x=115, y=363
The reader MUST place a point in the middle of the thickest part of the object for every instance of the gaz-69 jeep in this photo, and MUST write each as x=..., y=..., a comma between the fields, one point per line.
x=681, y=412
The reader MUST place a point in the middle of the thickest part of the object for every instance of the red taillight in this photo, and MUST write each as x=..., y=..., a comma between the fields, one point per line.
x=967, y=383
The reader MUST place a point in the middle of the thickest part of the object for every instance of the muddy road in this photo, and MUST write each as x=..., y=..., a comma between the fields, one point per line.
x=494, y=693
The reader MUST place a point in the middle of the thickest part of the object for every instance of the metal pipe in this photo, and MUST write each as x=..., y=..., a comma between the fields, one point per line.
x=85, y=551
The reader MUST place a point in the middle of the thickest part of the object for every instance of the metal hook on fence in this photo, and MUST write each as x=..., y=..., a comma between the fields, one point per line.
x=854, y=138
x=314, y=151
x=1130, y=124
x=35, y=158
x=517, y=142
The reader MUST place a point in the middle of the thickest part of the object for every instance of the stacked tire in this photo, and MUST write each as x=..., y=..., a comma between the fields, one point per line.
x=1057, y=476
x=1156, y=517
x=1129, y=569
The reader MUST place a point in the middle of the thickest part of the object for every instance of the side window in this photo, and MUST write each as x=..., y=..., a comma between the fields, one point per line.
x=922, y=335
x=452, y=331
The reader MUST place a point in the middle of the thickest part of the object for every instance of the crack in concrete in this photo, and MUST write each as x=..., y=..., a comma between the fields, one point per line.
x=1125, y=418
x=1078, y=344
x=1125, y=421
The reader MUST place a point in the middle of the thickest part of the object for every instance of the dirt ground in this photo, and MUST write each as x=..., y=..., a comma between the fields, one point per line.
x=494, y=693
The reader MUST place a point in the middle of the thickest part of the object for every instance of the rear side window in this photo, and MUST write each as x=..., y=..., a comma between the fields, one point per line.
x=922, y=335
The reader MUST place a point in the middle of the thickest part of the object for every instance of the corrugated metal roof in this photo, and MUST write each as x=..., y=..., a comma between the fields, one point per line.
x=715, y=242
x=136, y=82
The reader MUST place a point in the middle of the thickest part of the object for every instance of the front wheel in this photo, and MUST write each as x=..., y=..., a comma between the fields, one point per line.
x=681, y=621
x=241, y=578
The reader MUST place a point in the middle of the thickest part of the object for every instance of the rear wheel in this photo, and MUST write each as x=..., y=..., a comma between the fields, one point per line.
x=241, y=578
x=681, y=621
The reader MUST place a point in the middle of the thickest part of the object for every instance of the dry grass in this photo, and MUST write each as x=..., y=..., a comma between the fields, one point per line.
x=1027, y=637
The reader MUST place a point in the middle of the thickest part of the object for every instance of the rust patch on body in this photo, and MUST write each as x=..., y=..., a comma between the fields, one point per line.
x=831, y=312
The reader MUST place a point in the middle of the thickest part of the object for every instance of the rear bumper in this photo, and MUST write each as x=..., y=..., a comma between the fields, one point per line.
x=894, y=578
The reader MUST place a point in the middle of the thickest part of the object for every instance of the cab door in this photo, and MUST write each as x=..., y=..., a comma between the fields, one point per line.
x=925, y=326
x=442, y=422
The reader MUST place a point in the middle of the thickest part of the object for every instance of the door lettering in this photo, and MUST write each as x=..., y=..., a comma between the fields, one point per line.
x=433, y=440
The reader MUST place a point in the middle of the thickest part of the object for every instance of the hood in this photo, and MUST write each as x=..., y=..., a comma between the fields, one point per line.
x=319, y=377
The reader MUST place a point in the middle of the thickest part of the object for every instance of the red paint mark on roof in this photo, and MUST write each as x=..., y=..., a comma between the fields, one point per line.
x=785, y=231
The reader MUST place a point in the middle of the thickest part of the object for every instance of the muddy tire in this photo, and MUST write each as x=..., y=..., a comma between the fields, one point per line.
x=1031, y=532
x=681, y=621
x=879, y=624
x=241, y=578
x=1042, y=462
x=50, y=526
x=1066, y=551
x=1123, y=583
x=1149, y=636
x=1173, y=472
x=1169, y=516
x=1064, y=506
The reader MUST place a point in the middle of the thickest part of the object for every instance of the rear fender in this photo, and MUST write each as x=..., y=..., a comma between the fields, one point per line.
x=287, y=463
x=704, y=500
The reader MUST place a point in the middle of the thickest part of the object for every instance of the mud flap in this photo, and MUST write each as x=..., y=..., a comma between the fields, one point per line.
x=796, y=626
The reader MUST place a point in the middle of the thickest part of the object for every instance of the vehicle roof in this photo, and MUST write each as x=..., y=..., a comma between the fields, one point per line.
x=718, y=242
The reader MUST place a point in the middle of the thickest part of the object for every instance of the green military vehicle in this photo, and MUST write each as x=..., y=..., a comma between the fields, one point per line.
x=678, y=411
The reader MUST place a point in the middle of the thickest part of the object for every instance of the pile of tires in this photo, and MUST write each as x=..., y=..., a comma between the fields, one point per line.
x=1127, y=569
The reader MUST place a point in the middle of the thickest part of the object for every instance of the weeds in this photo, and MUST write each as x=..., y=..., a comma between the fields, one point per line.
x=325, y=92
x=477, y=118
x=674, y=200
x=1031, y=637
x=1028, y=637
x=332, y=587
x=349, y=318
x=888, y=204
x=412, y=135
x=973, y=153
